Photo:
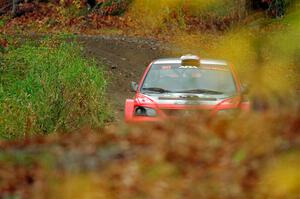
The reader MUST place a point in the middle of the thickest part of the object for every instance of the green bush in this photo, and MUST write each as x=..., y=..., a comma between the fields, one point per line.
x=48, y=88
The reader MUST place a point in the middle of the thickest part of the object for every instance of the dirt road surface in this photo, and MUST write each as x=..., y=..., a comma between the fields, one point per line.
x=125, y=59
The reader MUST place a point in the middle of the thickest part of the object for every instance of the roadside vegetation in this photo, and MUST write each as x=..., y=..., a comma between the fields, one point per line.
x=48, y=86
x=135, y=17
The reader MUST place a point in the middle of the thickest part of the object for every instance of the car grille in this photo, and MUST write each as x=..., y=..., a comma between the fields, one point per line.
x=184, y=112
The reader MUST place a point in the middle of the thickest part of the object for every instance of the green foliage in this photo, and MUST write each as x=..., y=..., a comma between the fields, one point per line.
x=3, y=20
x=47, y=88
x=2, y=23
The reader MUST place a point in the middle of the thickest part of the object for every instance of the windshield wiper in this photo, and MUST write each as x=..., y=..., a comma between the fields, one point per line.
x=200, y=91
x=156, y=89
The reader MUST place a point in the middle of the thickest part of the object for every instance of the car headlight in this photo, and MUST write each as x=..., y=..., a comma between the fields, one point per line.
x=144, y=111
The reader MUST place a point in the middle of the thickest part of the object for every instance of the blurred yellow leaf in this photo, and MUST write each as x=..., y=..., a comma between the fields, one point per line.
x=281, y=178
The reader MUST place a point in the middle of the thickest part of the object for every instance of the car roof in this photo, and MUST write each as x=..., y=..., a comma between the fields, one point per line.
x=202, y=61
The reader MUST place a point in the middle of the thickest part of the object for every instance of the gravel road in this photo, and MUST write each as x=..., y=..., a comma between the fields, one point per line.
x=125, y=60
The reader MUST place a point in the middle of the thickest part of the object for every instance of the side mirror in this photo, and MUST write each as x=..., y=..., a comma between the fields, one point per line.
x=133, y=86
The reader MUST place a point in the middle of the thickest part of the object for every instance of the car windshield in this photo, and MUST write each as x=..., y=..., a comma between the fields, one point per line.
x=206, y=79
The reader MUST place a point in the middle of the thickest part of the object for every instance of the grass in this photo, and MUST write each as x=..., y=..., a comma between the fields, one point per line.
x=49, y=87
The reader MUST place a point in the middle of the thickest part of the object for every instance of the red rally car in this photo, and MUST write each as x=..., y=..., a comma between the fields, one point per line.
x=180, y=86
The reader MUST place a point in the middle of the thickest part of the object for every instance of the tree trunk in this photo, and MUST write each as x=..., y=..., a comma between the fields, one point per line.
x=242, y=8
x=277, y=8
x=14, y=7
x=90, y=4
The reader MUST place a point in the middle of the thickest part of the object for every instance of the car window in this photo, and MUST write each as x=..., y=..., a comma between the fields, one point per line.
x=174, y=78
